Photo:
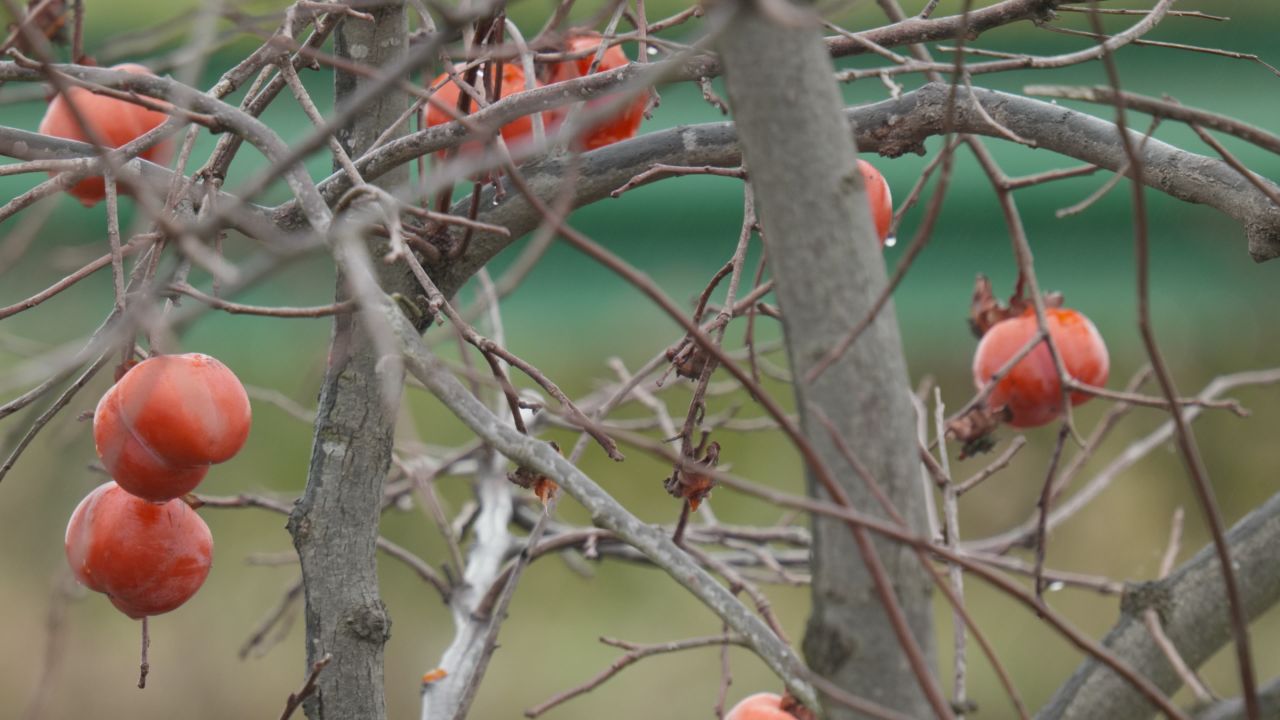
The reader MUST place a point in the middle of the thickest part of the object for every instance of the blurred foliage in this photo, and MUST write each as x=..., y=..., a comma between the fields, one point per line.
x=1210, y=305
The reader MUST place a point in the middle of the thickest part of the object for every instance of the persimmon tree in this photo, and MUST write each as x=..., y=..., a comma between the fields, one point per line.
x=880, y=542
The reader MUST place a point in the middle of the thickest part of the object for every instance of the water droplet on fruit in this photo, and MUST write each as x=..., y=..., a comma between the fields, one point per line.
x=891, y=241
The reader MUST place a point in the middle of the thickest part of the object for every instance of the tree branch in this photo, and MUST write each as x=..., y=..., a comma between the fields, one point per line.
x=605, y=511
x=1233, y=709
x=449, y=697
x=891, y=127
x=1193, y=611
x=186, y=98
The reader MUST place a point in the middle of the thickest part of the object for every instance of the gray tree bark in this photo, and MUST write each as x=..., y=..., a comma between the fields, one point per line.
x=1233, y=709
x=335, y=523
x=1193, y=612
x=828, y=267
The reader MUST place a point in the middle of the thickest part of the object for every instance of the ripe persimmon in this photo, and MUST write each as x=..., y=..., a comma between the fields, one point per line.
x=114, y=122
x=168, y=418
x=879, y=197
x=448, y=92
x=761, y=706
x=622, y=125
x=1031, y=393
x=147, y=558
x=133, y=463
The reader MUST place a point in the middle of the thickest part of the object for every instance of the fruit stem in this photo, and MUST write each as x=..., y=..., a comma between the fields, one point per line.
x=144, y=666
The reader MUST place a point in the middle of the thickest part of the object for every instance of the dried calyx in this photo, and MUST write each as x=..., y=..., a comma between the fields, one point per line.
x=985, y=310
x=692, y=485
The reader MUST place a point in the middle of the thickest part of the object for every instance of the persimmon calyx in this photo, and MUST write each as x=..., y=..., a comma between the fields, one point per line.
x=543, y=487
x=691, y=484
x=985, y=310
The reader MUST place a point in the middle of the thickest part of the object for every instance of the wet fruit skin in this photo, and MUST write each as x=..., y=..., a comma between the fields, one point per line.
x=879, y=197
x=621, y=126
x=147, y=558
x=116, y=122
x=168, y=418
x=761, y=706
x=1031, y=390
x=513, y=82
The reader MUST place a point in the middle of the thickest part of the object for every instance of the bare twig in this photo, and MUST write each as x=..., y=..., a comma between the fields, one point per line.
x=277, y=617
x=1186, y=440
x=346, y=306
x=1151, y=617
x=633, y=654
x=308, y=687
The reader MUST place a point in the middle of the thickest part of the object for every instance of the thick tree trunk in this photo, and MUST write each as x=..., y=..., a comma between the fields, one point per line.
x=335, y=524
x=829, y=269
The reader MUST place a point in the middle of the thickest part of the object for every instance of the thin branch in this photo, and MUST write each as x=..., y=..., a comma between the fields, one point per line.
x=634, y=653
x=1151, y=617
x=1186, y=439
x=277, y=617
x=650, y=541
x=1127, y=458
x=1161, y=109
x=345, y=306
x=1195, y=622
x=994, y=467
x=1122, y=11
x=309, y=687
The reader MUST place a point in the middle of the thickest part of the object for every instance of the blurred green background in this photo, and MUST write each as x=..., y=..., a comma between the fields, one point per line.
x=1211, y=310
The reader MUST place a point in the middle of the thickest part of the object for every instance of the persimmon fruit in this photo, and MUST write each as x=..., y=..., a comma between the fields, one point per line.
x=168, y=418
x=622, y=125
x=1031, y=392
x=147, y=558
x=761, y=706
x=114, y=121
x=879, y=197
x=447, y=94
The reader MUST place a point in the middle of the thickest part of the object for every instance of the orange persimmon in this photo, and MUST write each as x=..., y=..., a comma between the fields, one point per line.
x=147, y=558
x=622, y=125
x=761, y=706
x=1031, y=392
x=114, y=122
x=878, y=197
x=168, y=418
x=448, y=92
